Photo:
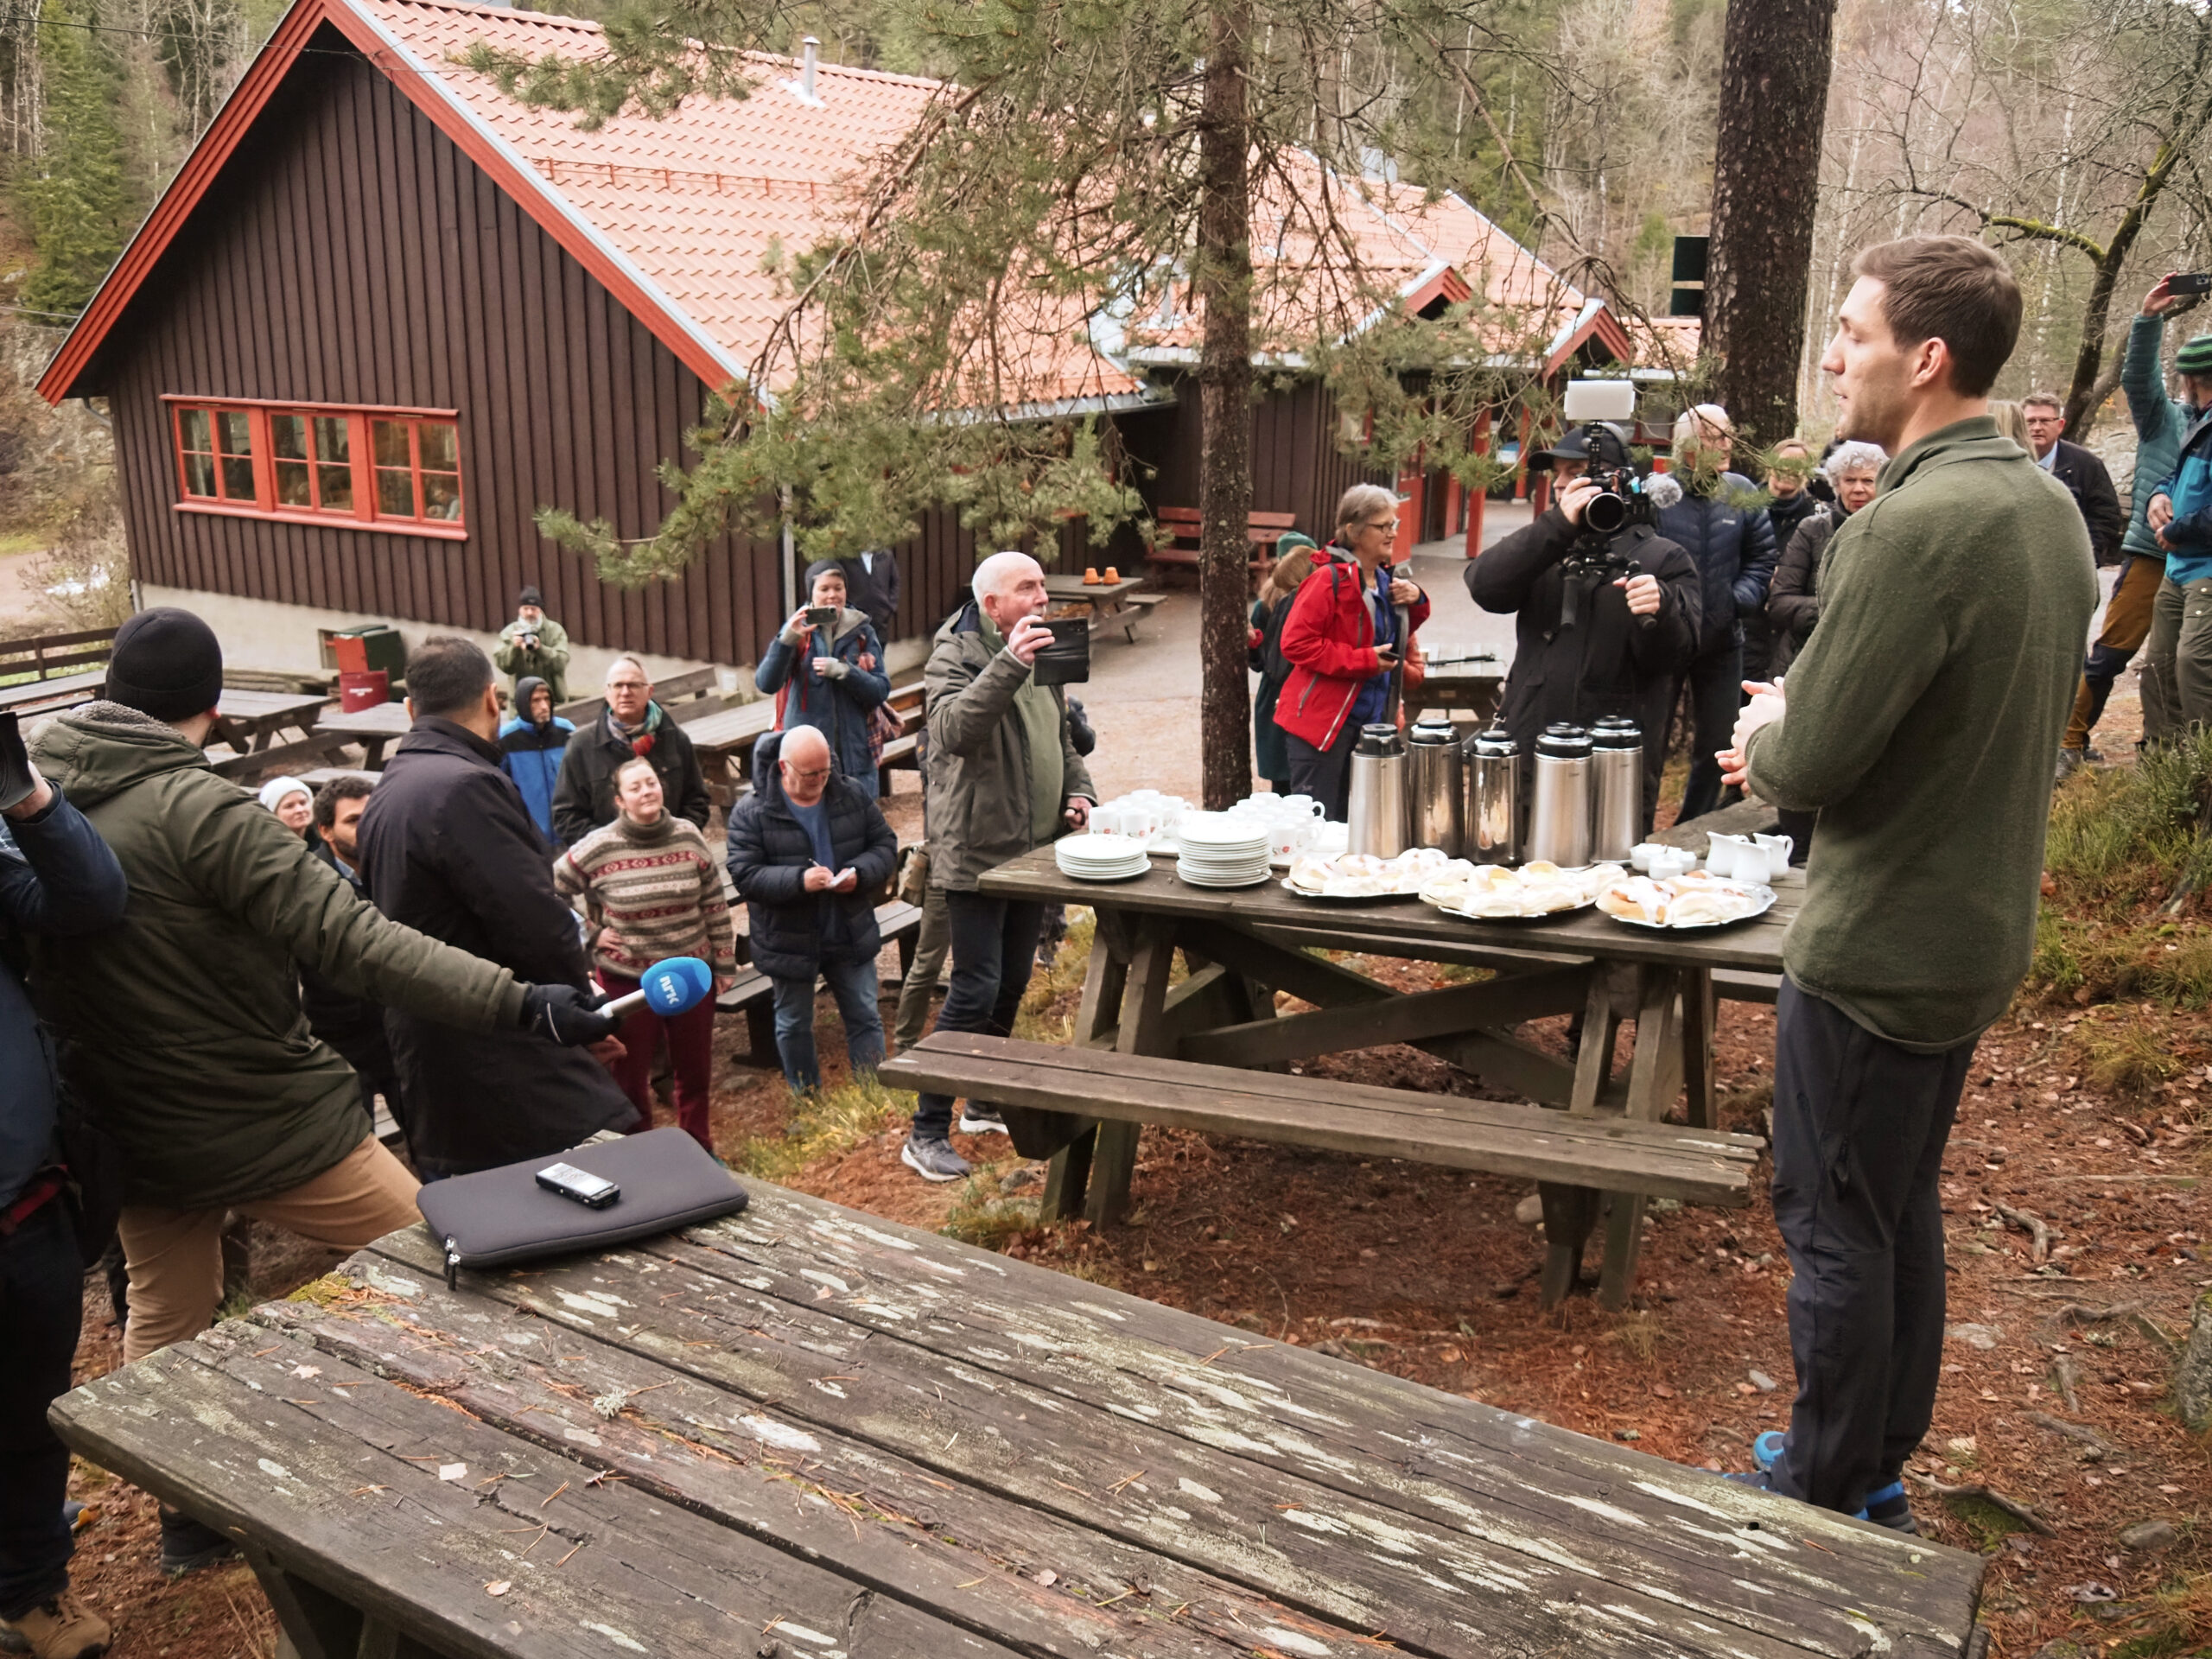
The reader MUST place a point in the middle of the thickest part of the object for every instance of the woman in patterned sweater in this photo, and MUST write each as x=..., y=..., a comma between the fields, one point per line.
x=651, y=889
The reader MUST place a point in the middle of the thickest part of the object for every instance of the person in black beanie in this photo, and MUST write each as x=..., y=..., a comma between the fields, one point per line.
x=179, y=1026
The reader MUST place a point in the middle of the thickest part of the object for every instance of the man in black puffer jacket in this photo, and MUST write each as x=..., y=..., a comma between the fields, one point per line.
x=808, y=850
x=1721, y=523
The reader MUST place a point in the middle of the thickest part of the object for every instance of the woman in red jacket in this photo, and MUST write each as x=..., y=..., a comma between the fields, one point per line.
x=1342, y=642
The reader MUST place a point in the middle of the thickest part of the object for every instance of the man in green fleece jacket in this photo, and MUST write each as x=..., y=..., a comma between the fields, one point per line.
x=1918, y=723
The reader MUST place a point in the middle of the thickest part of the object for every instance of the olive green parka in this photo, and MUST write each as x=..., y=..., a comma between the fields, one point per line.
x=181, y=1025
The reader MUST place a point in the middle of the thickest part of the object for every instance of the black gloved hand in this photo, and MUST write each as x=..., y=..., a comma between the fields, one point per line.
x=565, y=1014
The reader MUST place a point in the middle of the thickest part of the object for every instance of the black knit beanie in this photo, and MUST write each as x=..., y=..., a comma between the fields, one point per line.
x=823, y=568
x=167, y=663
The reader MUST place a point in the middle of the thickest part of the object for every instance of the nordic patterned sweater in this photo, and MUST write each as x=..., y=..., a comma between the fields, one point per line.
x=649, y=891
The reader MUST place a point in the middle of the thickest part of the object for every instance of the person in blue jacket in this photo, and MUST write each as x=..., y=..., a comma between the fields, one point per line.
x=57, y=876
x=1722, y=522
x=829, y=678
x=532, y=740
x=2172, y=459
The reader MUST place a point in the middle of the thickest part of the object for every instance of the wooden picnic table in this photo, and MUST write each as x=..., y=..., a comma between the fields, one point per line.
x=807, y=1433
x=1116, y=603
x=1583, y=962
x=371, y=727
x=1474, y=684
x=726, y=738
x=250, y=721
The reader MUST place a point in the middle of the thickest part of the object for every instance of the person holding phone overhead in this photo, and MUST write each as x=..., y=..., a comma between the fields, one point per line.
x=825, y=670
x=1343, y=642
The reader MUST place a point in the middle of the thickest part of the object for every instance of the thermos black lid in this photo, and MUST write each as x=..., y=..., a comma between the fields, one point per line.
x=1436, y=730
x=1379, y=738
x=1617, y=732
x=1495, y=744
x=1563, y=742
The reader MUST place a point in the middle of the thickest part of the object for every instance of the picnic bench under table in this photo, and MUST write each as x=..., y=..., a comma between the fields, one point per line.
x=1209, y=1035
x=371, y=727
x=808, y=1433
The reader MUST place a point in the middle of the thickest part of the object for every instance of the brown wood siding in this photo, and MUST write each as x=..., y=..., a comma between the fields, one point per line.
x=351, y=254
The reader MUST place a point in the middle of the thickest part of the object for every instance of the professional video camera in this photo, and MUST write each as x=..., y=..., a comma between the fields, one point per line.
x=1625, y=497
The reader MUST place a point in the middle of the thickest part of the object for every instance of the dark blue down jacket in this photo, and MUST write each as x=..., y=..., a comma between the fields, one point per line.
x=1730, y=538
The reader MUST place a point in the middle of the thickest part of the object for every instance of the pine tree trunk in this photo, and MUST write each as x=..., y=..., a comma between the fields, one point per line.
x=1766, y=175
x=1224, y=286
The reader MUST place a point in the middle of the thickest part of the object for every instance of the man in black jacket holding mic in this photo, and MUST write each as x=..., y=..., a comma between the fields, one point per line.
x=1590, y=642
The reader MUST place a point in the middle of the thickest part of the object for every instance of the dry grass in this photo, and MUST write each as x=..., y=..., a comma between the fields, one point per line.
x=825, y=1124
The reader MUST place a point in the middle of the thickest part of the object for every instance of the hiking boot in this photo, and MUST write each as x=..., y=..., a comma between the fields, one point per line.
x=61, y=1629
x=933, y=1159
x=981, y=1120
x=187, y=1546
x=2071, y=761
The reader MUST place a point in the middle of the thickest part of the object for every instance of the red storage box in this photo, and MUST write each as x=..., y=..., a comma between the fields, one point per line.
x=363, y=689
x=351, y=652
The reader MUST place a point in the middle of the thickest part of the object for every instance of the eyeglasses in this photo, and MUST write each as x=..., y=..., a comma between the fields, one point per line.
x=790, y=770
x=629, y=685
x=1390, y=525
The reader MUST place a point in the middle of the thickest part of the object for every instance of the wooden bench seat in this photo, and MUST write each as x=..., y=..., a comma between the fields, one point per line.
x=1184, y=528
x=1611, y=1153
x=753, y=995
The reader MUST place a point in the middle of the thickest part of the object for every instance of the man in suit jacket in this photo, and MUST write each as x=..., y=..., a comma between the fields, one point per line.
x=871, y=587
x=2078, y=470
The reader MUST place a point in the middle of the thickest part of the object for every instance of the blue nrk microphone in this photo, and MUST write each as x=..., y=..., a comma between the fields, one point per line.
x=671, y=986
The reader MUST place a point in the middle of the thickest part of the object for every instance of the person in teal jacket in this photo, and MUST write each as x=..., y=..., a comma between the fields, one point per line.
x=2159, y=422
x=2177, y=666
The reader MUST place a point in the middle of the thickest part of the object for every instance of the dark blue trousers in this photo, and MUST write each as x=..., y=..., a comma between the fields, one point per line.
x=41, y=1302
x=1859, y=1127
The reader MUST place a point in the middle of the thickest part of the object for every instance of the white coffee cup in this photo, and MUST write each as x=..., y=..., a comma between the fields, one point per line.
x=1306, y=804
x=1780, y=847
x=1667, y=862
x=1642, y=853
x=1287, y=836
x=1753, y=865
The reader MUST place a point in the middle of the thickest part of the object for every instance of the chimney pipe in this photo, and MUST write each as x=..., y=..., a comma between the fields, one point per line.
x=813, y=50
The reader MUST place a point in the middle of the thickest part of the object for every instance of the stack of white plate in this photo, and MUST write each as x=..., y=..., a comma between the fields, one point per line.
x=1219, y=849
x=1100, y=858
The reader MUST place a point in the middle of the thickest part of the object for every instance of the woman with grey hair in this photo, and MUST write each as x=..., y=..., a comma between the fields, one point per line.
x=1343, y=640
x=1793, y=604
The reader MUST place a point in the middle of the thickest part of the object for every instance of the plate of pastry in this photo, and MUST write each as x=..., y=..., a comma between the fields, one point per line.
x=1684, y=903
x=1365, y=878
x=1530, y=892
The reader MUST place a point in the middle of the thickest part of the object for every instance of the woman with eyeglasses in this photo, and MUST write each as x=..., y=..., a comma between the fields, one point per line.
x=648, y=889
x=1344, y=639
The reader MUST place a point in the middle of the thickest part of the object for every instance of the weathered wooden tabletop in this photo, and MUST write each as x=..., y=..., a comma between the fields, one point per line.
x=1755, y=944
x=809, y=1433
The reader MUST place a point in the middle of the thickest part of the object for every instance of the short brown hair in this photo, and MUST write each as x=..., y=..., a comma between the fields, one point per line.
x=2044, y=399
x=1952, y=288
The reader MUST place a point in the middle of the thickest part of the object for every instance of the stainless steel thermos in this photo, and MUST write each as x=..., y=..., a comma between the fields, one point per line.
x=1558, y=822
x=1616, y=788
x=1439, y=805
x=1378, y=810
x=1493, y=815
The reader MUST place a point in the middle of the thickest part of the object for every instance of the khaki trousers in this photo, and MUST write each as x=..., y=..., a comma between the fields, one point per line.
x=930, y=951
x=176, y=1256
x=2127, y=625
x=2178, y=661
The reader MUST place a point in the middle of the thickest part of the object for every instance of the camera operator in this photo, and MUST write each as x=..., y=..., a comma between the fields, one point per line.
x=1604, y=623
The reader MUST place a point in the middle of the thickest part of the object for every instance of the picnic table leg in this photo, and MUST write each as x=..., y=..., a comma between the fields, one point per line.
x=315, y=1624
x=1571, y=1211
x=1650, y=1090
x=1699, y=1010
x=1114, y=1160
x=1106, y=975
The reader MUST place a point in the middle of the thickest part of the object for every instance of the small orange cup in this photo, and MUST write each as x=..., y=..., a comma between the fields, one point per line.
x=1090, y=575
x=1112, y=575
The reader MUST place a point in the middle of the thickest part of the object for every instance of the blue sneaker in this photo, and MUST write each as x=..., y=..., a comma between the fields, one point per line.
x=1888, y=1508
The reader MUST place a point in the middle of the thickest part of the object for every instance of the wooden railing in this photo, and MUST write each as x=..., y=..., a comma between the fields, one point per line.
x=50, y=656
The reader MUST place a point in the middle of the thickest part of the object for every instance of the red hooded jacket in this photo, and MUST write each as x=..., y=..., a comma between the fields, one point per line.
x=1329, y=641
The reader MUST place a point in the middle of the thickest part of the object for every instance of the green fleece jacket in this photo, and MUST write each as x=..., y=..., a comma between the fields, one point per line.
x=181, y=1025
x=1922, y=719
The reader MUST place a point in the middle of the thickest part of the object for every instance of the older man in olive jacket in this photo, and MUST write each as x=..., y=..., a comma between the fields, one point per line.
x=1004, y=777
x=181, y=1025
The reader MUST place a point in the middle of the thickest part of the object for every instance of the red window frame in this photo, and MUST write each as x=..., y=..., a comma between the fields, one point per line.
x=364, y=466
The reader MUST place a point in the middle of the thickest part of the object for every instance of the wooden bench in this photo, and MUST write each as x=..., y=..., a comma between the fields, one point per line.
x=753, y=995
x=1184, y=526
x=1613, y=1155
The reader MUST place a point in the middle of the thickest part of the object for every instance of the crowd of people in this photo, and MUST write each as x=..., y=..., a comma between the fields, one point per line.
x=204, y=992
